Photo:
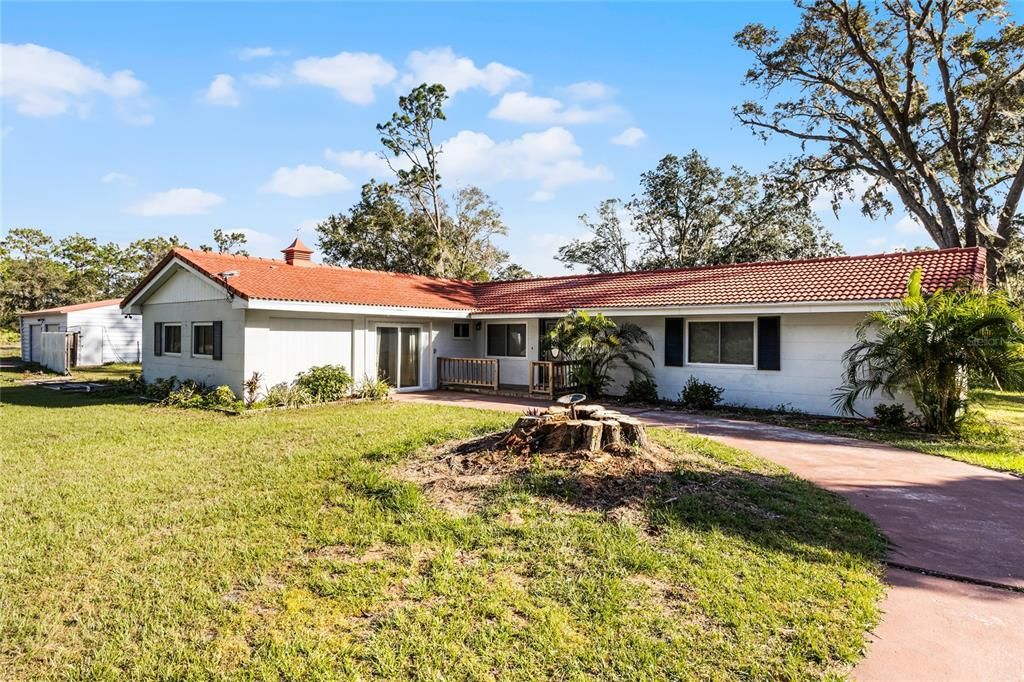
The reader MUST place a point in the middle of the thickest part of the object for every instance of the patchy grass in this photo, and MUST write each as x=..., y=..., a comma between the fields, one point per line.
x=147, y=542
x=992, y=438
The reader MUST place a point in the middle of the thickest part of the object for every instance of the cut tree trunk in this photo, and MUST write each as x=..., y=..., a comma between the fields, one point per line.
x=595, y=429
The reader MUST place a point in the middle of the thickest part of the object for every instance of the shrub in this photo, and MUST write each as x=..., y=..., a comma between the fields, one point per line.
x=133, y=385
x=160, y=389
x=252, y=388
x=641, y=391
x=186, y=394
x=285, y=395
x=700, y=395
x=892, y=416
x=221, y=397
x=373, y=389
x=325, y=383
x=194, y=394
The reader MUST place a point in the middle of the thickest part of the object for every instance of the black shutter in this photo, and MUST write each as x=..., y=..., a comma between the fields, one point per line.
x=769, y=343
x=158, y=338
x=218, y=340
x=674, y=341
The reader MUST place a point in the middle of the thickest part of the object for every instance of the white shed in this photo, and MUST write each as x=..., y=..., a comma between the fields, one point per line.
x=103, y=333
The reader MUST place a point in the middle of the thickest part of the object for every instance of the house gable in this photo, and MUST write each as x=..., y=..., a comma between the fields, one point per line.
x=183, y=286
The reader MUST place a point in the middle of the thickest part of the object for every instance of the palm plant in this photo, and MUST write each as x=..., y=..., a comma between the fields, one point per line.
x=599, y=346
x=927, y=346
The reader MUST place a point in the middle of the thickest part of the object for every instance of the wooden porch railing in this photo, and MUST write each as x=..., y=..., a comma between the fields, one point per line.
x=467, y=372
x=549, y=377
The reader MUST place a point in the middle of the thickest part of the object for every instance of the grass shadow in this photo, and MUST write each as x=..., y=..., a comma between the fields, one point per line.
x=778, y=512
x=38, y=396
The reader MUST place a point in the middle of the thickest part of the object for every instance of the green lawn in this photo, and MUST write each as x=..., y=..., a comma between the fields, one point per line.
x=148, y=542
x=993, y=438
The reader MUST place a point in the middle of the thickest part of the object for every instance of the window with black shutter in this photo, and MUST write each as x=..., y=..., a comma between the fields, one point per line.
x=674, y=341
x=769, y=343
x=218, y=340
x=172, y=338
x=158, y=338
x=202, y=339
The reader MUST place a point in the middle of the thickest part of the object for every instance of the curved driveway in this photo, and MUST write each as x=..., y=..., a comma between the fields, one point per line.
x=955, y=605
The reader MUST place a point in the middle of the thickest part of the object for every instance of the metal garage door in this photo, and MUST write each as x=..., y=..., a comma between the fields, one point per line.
x=298, y=343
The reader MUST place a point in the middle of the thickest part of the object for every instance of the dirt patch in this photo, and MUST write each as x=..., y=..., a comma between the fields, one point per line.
x=458, y=476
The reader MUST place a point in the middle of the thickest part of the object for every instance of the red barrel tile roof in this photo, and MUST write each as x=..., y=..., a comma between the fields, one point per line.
x=843, y=278
x=273, y=279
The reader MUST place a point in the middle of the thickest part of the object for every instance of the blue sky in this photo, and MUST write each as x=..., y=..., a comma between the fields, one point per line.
x=129, y=120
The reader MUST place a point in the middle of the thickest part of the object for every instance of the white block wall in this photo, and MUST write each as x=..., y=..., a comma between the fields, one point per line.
x=812, y=346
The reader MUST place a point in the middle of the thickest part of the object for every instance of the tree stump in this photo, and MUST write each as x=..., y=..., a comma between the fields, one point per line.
x=591, y=435
x=595, y=429
x=611, y=437
x=634, y=433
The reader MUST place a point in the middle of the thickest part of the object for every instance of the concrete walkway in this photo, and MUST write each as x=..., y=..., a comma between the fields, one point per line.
x=955, y=605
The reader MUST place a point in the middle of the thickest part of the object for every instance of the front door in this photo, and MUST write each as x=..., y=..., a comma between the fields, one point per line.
x=398, y=356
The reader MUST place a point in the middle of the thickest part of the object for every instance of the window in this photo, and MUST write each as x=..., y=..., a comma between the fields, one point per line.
x=202, y=339
x=172, y=338
x=506, y=340
x=721, y=343
x=461, y=330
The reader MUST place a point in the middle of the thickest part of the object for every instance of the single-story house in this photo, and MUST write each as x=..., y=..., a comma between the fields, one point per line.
x=102, y=333
x=769, y=333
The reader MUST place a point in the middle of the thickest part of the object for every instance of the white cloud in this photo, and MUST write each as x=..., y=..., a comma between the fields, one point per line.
x=222, y=91
x=371, y=162
x=114, y=177
x=184, y=201
x=588, y=90
x=550, y=158
x=542, y=195
x=909, y=225
x=261, y=243
x=876, y=241
x=630, y=137
x=353, y=75
x=441, y=65
x=822, y=203
x=45, y=82
x=263, y=80
x=306, y=181
x=522, y=107
x=249, y=53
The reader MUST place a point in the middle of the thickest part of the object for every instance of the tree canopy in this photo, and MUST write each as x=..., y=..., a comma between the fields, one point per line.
x=689, y=212
x=38, y=271
x=923, y=98
x=414, y=225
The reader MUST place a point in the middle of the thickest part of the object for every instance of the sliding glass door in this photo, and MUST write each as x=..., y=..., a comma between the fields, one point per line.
x=398, y=356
